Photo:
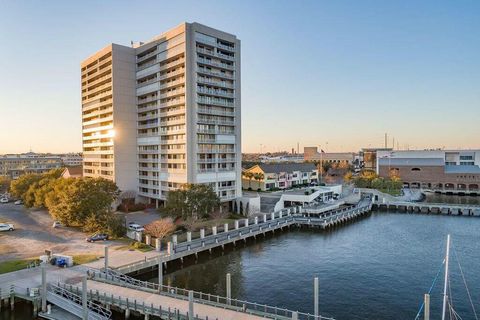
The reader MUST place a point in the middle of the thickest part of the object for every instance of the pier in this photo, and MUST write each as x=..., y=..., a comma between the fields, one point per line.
x=429, y=208
x=250, y=228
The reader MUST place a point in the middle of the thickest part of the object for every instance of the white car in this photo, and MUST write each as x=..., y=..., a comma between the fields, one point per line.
x=56, y=224
x=136, y=227
x=6, y=227
x=18, y=202
x=4, y=200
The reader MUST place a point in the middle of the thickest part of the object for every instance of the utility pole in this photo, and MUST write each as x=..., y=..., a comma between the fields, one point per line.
x=315, y=298
x=385, y=140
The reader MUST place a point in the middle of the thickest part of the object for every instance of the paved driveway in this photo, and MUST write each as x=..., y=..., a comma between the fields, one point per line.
x=34, y=234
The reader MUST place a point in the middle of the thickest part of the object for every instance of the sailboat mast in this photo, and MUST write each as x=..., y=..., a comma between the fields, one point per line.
x=444, y=309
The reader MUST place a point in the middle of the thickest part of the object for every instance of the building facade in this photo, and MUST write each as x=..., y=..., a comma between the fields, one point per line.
x=177, y=98
x=455, y=171
x=72, y=159
x=14, y=165
x=279, y=176
x=312, y=154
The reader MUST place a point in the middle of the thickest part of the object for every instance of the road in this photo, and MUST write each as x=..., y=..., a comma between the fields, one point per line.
x=34, y=234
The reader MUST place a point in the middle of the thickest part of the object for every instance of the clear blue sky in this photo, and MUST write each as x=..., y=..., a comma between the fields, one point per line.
x=342, y=72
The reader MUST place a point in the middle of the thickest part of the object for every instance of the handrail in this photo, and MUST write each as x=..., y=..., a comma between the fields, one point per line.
x=76, y=299
x=200, y=297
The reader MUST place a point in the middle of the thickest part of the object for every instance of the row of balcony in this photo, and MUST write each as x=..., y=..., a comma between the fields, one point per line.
x=215, y=92
x=216, y=121
x=215, y=64
x=215, y=54
x=215, y=112
x=216, y=74
x=204, y=80
x=216, y=102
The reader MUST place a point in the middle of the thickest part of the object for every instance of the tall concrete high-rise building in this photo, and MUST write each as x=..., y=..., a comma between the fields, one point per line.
x=163, y=113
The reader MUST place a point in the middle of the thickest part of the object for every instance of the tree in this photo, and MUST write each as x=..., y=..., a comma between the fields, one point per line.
x=82, y=202
x=258, y=176
x=4, y=184
x=326, y=166
x=160, y=228
x=192, y=201
x=20, y=186
x=249, y=176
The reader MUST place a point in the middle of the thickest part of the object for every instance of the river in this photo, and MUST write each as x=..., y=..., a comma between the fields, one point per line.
x=378, y=267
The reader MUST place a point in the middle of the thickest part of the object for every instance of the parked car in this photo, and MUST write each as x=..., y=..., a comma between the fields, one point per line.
x=56, y=224
x=136, y=227
x=18, y=202
x=4, y=200
x=7, y=227
x=97, y=237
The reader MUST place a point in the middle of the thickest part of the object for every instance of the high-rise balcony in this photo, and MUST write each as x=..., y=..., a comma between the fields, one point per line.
x=215, y=112
x=216, y=74
x=214, y=92
x=165, y=85
x=146, y=56
x=171, y=74
x=216, y=121
x=215, y=64
x=148, y=116
x=223, y=84
x=176, y=111
x=216, y=102
x=172, y=122
x=175, y=102
x=173, y=93
x=148, y=125
x=172, y=64
x=215, y=54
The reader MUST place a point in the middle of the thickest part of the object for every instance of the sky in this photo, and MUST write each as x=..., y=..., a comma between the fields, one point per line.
x=335, y=74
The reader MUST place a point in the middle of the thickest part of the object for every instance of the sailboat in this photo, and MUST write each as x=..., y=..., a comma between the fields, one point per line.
x=447, y=306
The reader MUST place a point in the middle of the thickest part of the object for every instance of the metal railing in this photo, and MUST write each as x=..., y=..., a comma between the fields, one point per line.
x=242, y=306
x=65, y=298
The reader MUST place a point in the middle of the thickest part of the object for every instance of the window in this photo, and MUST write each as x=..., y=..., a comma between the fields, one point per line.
x=416, y=169
x=466, y=157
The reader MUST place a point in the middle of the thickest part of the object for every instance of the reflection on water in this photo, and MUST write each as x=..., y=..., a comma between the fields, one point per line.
x=376, y=268
x=443, y=198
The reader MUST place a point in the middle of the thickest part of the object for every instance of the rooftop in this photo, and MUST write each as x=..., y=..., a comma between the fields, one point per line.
x=286, y=167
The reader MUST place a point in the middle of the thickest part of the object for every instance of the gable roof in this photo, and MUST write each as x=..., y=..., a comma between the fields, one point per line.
x=72, y=172
x=286, y=167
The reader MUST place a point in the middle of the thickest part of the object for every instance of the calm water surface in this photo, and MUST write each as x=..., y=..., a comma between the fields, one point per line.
x=376, y=268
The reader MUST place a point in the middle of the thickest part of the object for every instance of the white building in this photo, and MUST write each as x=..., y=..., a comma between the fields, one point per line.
x=164, y=113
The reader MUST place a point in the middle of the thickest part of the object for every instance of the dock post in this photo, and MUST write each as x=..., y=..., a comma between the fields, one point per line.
x=229, y=289
x=84, y=298
x=190, y=305
x=315, y=298
x=426, y=308
x=12, y=299
x=160, y=274
x=246, y=222
x=175, y=239
x=256, y=220
x=295, y=315
x=189, y=236
x=272, y=215
x=106, y=258
x=170, y=248
x=158, y=245
x=127, y=313
x=236, y=224
x=214, y=230
x=225, y=227
x=264, y=218
x=202, y=233
x=44, y=288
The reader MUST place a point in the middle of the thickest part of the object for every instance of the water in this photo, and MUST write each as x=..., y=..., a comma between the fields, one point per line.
x=443, y=198
x=378, y=267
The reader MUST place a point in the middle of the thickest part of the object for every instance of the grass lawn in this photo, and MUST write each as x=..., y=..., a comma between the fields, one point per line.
x=14, y=265
x=84, y=258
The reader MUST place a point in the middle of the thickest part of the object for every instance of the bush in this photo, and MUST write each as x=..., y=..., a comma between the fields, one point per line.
x=249, y=189
x=306, y=193
x=259, y=190
x=131, y=207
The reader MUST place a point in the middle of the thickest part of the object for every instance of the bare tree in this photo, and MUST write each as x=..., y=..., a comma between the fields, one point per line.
x=160, y=228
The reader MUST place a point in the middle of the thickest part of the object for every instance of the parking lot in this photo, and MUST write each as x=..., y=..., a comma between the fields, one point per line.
x=34, y=234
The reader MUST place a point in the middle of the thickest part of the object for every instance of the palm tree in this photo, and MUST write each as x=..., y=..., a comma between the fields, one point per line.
x=258, y=176
x=249, y=176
